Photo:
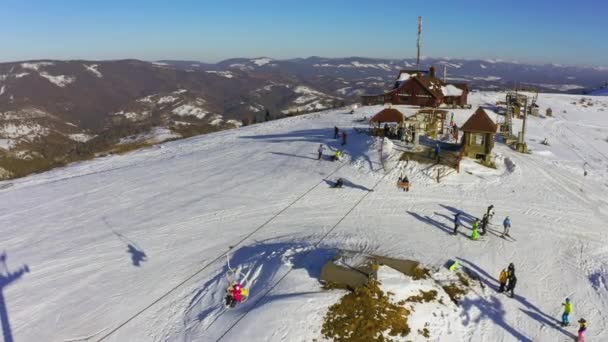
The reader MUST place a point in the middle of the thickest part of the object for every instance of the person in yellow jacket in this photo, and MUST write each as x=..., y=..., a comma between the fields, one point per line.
x=475, y=233
x=567, y=311
x=503, y=280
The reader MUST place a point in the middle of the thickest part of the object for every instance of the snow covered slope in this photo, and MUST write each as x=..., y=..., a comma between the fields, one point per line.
x=132, y=247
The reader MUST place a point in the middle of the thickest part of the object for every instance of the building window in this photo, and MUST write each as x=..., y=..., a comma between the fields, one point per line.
x=478, y=139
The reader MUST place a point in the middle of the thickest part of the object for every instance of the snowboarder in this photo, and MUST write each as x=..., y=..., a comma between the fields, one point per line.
x=457, y=223
x=475, y=232
x=321, y=149
x=502, y=278
x=337, y=155
x=336, y=132
x=236, y=294
x=511, y=285
x=507, y=225
x=567, y=311
x=484, y=224
x=582, y=327
x=339, y=183
x=437, y=151
x=343, y=138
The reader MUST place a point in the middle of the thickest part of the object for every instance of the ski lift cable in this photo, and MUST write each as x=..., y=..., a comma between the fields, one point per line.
x=215, y=260
x=316, y=245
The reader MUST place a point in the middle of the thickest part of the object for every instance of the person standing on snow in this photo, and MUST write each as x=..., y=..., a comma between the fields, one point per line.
x=235, y=295
x=582, y=327
x=336, y=132
x=484, y=224
x=507, y=225
x=457, y=223
x=437, y=151
x=567, y=311
x=343, y=138
x=510, y=270
x=476, y=224
x=511, y=285
x=475, y=232
x=502, y=278
x=321, y=149
x=489, y=212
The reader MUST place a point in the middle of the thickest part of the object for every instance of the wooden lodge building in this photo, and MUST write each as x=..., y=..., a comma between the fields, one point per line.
x=479, y=134
x=421, y=88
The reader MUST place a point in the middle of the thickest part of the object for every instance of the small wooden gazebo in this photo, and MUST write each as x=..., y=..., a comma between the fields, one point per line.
x=479, y=133
x=386, y=116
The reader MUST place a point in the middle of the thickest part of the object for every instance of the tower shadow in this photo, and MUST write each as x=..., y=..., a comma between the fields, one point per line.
x=7, y=278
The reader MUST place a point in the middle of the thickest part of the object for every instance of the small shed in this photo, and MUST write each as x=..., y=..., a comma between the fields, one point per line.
x=479, y=133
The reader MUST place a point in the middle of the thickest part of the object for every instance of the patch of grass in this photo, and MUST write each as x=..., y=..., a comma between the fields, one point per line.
x=423, y=297
x=421, y=273
x=454, y=291
x=464, y=280
x=366, y=314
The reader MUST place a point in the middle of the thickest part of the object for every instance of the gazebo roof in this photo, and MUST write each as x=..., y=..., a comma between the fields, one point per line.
x=479, y=122
x=388, y=115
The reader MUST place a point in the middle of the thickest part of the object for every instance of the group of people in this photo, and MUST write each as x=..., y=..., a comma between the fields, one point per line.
x=483, y=224
x=236, y=294
x=337, y=135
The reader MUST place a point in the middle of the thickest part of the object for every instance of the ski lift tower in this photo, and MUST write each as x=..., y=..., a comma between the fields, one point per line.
x=418, y=42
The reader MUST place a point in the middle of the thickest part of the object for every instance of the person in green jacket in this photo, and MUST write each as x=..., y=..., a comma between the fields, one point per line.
x=567, y=311
x=475, y=233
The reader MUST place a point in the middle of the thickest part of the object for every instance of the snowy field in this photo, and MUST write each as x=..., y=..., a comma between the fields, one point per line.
x=133, y=247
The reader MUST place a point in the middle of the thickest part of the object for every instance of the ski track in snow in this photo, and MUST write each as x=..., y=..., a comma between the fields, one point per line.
x=133, y=247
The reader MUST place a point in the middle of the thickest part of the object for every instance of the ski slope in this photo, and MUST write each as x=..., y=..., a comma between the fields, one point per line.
x=133, y=247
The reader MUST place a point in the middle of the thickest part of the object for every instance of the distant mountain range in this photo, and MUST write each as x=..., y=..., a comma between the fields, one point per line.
x=52, y=112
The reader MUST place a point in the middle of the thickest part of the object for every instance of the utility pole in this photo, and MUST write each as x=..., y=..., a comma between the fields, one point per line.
x=419, y=41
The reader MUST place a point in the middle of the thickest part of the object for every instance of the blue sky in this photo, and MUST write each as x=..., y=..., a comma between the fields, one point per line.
x=539, y=31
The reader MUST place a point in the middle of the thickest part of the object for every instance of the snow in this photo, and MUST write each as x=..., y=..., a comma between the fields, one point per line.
x=190, y=110
x=83, y=231
x=451, y=90
x=2, y=89
x=35, y=66
x=483, y=66
x=404, y=76
x=561, y=87
x=487, y=78
x=81, y=137
x=225, y=74
x=60, y=80
x=93, y=69
x=180, y=91
x=7, y=144
x=167, y=99
x=19, y=130
x=262, y=61
x=133, y=116
x=22, y=74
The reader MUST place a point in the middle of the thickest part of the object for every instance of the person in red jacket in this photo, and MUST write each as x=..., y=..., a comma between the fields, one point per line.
x=235, y=295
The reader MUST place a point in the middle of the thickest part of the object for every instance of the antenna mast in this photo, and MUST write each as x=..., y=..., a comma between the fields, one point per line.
x=418, y=44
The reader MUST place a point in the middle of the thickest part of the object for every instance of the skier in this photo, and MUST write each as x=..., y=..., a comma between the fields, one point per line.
x=476, y=224
x=404, y=183
x=502, y=278
x=337, y=155
x=321, y=149
x=457, y=223
x=343, y=138
x=511, y=285
x=484, y=224
x=339, y=183
x=490, y=209
x=236, y=294
x=567, y=311
x=475, y=232
x=507, y=225
x=336, y=131
x=582, y=327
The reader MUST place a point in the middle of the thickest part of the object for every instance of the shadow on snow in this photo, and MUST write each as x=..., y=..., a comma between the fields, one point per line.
x=6, y=279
